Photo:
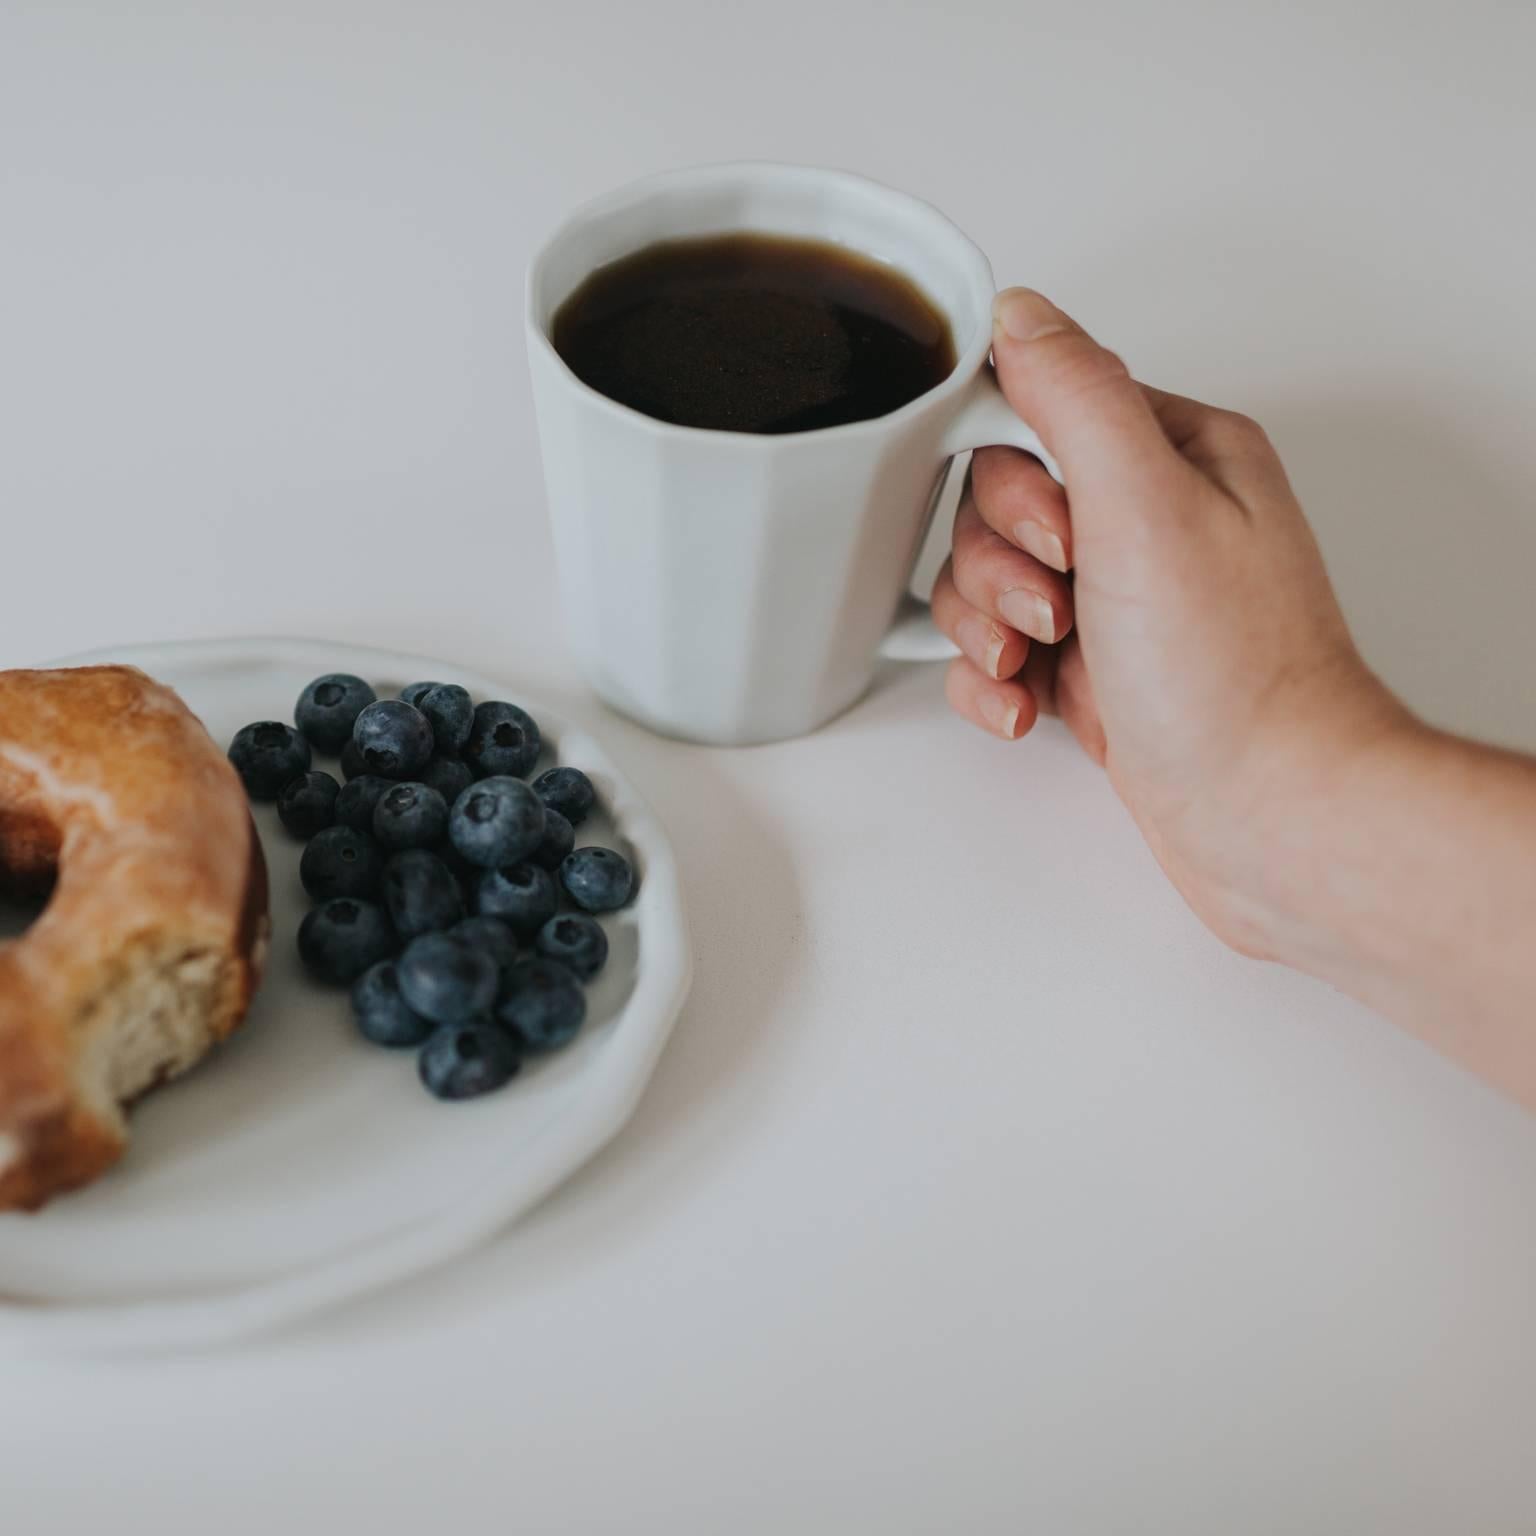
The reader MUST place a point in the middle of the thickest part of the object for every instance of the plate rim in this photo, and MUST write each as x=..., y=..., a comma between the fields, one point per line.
x=590, y=1119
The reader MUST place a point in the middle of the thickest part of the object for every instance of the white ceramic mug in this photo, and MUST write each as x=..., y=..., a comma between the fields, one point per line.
x=735, y=587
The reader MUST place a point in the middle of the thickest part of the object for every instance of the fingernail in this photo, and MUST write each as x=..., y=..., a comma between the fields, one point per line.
x=1001, y=714
x=993, y=665
x=1025, y=315
x=1039, y=541
x=981, y=642
x=1029, y=612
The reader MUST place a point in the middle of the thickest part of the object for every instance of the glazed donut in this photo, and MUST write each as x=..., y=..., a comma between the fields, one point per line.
x=116, y=803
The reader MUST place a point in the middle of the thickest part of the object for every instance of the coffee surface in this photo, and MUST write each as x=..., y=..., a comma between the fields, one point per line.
x=754, y=333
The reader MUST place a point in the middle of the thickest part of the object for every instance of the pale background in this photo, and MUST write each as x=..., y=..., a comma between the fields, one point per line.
x=980, y=1191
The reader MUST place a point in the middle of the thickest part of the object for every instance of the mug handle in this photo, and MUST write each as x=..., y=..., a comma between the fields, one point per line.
x=984, y=420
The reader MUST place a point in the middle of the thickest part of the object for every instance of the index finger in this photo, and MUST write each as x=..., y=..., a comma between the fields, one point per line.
x=1017, y=498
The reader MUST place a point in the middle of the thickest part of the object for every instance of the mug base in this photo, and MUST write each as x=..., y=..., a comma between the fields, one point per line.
x=747, y=735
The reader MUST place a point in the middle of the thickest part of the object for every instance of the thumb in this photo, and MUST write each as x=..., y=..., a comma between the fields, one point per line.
x=1078, y=396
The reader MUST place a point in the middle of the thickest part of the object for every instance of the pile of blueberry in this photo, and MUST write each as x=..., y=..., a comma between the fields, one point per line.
x=450, y=895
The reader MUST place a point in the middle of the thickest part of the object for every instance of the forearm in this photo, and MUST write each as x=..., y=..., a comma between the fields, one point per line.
x=1416, y=893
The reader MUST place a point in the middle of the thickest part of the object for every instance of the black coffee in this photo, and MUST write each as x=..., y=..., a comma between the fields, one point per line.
x=753, y=333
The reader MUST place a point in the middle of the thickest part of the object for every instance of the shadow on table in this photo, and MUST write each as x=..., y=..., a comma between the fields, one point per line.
x=743, y=902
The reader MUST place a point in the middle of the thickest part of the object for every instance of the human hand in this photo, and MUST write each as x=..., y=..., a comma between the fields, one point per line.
x=1210, y=669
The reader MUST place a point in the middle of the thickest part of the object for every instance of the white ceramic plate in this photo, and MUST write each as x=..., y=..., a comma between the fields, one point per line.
x=299, y=1165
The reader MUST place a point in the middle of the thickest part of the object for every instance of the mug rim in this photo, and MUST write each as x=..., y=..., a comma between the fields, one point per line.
x=968, y=359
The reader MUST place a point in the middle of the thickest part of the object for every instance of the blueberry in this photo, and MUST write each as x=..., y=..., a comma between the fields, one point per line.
x=461, y=1061
x=382, y=1015
x=355, y=804
x=544, y=1004
x=576, y=941
x=410, y=816
x=598, y=879
x=421, y=893
x=267, y=756
x=329, y=707
x=449, y=776
x=567, y=790
x=340, y=862
x=558, y=840
x=504, y=739
x=412, y=692
x=447, y=981
x=307, y=804
x=352, y=765
x=450, y=712
x=497, y=821
x=341, y=939
x=522, y=896
x=492, y=937
x=394, y=739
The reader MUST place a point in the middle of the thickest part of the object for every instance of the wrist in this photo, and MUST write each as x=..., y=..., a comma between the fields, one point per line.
x=1331, y=834
x=1413, y=895
x=1314, y=774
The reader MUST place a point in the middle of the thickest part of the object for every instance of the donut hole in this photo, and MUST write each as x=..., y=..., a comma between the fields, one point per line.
x=18, y=913
x=154, y=1003
x=29, y=864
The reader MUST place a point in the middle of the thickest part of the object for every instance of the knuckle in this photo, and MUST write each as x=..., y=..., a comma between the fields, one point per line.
x=968, y=527
x=1008, y=483
x=1080, y=366
x=973, y=540
x=1240, y=430
x=982, y=567
x=947, y=606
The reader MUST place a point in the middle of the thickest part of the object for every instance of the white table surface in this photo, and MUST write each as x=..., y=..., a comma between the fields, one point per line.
x=980, y=1190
